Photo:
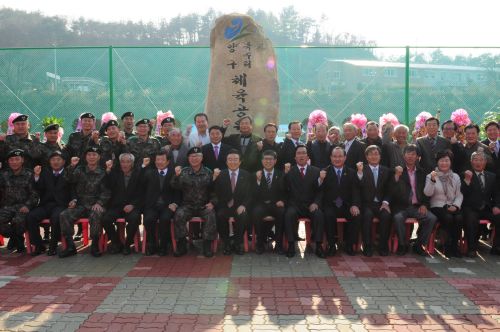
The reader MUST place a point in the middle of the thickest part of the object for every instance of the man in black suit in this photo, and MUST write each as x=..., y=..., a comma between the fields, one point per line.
x=319, y=149
x=431, y=144
x=492, y=130
x=408, y=201
x=269, y=201
x=481, y=201
x=374, y=179
x=215, y=152
x=354, y=149
x=287, y=154
x=269, y=142
x=125, y=185
x=246, y=143
x=55, y=194
x=372, y=135
x=160, y=202
x=234, y=196
x=341, y=199
x=449, y=130
x=472, y=144
x=304, y=200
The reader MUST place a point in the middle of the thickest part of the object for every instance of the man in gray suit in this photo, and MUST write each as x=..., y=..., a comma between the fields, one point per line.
x=431, y=144
x=178, y=148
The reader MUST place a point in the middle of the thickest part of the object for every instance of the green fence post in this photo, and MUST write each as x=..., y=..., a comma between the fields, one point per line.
x=407, y=86
x=111, y=94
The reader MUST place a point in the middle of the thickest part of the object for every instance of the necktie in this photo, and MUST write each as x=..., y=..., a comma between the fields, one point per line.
x=268, y=179
x=481, y=180
x=375, y=175
x=162, y=173
x=302, y=174
x=233, y=181
x=216, y=152
x=433, y=141
x=338, y=201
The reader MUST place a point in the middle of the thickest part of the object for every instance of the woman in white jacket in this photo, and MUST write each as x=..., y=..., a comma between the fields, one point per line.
x=443, y=188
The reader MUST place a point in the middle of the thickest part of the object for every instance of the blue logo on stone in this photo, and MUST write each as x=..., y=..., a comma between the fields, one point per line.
x=234, y=29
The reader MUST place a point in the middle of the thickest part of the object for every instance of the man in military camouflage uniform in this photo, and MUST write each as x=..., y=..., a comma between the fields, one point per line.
x=52, y=144
x=18, y=197
x=195, y=182
x=91, y=195
x=79, y=141
x=23, y=140
x=128, y=124
x=142, y=145
x=113, y=144
x=166, y=124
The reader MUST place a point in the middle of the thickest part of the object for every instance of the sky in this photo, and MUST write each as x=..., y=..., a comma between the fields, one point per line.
x=387, y=22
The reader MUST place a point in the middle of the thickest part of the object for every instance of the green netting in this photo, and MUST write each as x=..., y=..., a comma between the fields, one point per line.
x=65, y=82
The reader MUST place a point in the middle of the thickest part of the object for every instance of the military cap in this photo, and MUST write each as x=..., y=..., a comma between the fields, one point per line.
x=15, y=153
x=87, y=115
x=167, y=120
x=194, y=150
x=19, y=118
x=56, y=153
x=111, y=123
x=143, y=121
x=52, y=126
x=93, y=149
x=127, y=114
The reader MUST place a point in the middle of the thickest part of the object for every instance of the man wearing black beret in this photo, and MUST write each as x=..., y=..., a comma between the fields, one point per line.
x=128, y=124
x=18, y=197
x=142, y=145
x=23, y=140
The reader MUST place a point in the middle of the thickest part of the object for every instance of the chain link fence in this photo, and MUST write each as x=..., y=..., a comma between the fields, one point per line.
x=65, y=82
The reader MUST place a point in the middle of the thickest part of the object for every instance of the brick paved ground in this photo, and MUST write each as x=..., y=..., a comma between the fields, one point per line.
x=248, y=293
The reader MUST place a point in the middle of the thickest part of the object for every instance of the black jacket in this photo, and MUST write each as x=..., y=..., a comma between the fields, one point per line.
x=250, y=160
x=52, y=188
x=287, y=153
x=367, y=185
x=355, y=154
x=209, y=160
x=152, y=191
x=476, y=198
x=347, y=190
x=319, y=153
x=401, y=193
x=277, y=192
x=242, y=194
x=121, y=196
x=302, y=192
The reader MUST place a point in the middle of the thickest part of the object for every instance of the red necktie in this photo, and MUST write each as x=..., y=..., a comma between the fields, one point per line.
x=302, y=174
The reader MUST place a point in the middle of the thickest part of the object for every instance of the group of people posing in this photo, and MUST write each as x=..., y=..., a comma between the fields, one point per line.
x=240, y=181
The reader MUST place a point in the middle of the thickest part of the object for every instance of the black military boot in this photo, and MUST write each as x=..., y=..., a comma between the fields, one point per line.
x=126, y=248
x=207, y=248
x=20, y=244
x=116, y=245
x=70, y=248
x=94, y=247
x=181, y=249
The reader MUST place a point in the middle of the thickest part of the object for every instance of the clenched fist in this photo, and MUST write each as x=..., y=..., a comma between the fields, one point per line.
x=433, y=175
x=216, y=173
x=359, y=167
x=322, y=175
x=74, y=161
x=258, y=175
x=178, y=170
x=145, y=162
x=260, y=145
x=398, y=170
x=226, y=122
x=468, y=176
x=287, y=167
x=37, y=170
x=109, y=165
x=95, y=136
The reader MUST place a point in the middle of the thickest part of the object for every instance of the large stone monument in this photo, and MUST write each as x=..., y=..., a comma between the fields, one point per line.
x=243, y=76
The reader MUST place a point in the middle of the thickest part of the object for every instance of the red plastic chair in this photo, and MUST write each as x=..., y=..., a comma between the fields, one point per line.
x=27, y=240
x=85, y=232
x=190, y=233
x=463, y=241
x=103, y=246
